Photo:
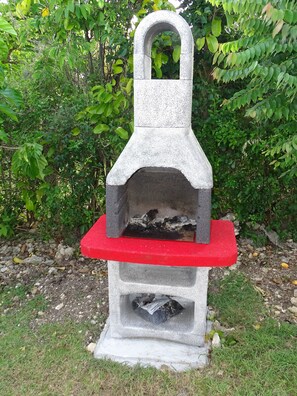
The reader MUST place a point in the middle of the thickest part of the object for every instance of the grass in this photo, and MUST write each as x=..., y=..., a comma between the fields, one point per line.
x=53, y=361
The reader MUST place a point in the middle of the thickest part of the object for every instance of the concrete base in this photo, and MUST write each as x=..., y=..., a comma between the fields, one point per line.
x=150, y=352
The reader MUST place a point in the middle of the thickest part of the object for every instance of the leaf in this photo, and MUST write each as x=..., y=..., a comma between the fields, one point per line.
x=23, y=8
x=176, y=53
x=200, y=43
x=3, y=136
x=277, y=28
x=84, y=11
x=212, y=43
x=12, y=96
x=67, y=24
x=6, y=27
x=158, y=60
x=164, y=59
x=8, y=111
x=159, y=73
x=101, y=128
x=216, y=26
x=45, y=12
x=117, y=69
x=129, y=86
x=122, y=133
x=230, y=340
x=3, y=50
x=29, y=204
x=3, y=230
x=75, y=131
x=229, y=19
x=289, y=16
x=100, y=4
x=109, y=87
x=285, y=265
x=259, y=290
x=70, y=5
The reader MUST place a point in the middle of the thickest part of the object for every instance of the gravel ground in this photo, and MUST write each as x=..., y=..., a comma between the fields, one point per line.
x=76, y=288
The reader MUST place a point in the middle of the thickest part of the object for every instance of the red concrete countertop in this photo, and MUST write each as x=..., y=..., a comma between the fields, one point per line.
x=220, y=252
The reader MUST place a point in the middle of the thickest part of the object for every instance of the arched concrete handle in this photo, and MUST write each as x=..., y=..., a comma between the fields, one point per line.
x=148, y=28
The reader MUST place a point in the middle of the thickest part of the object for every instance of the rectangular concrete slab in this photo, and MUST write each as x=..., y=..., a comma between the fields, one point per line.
x=151, y=352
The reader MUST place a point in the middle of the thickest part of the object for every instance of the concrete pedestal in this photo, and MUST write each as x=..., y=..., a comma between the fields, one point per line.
x=180, y=341
x=150, y=352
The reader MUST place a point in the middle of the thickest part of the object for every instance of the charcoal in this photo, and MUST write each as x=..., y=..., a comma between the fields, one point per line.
x=171, y=228
x=156, y=309
x=151, y=214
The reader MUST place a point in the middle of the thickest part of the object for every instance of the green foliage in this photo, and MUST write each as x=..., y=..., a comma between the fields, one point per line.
x=66, y=95
x=28, y=161
x=265, y=58
x=111, y=108
x=6, y=27
x=75, y=63
x=207, y=24
x=244, y=180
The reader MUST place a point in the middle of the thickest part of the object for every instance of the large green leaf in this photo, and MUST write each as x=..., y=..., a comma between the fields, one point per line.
x=6, y=27
x=158, y=60
x=200, y=43
x=122, y=133
x=101, y=128
x=212, y=43
x=12, y=96
x=129, y=86
x=23, y=8
x=3, y=136
x=117, y=69
x=216, y=26
x=176, y=53
x=5, y=109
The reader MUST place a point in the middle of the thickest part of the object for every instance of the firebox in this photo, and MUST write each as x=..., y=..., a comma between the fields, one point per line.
x=160, y=186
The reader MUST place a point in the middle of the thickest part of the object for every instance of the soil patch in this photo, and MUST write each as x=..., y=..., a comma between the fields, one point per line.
x=76, y=288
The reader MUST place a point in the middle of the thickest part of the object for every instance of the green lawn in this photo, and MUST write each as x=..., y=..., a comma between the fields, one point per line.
x=259, y=358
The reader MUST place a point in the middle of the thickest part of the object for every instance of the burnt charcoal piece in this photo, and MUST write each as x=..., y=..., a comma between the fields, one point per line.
x=170, y=228
x=136, y=230
x=189, y=227
x=156, y=309
x=151, y=214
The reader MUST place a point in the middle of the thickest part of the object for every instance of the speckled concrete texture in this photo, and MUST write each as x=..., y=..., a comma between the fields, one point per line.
x=162, y=103
x=175, y=148
x=151, y=352
x=163, y=136
x=188, y=284
x=154, y=24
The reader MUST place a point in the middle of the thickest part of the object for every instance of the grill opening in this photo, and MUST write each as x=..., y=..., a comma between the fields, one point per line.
x=162, y=204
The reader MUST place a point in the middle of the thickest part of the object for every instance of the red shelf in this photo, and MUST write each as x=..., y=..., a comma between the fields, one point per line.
x=221, y=252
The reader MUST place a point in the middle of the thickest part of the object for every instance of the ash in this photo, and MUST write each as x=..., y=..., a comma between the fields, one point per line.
x=151, y=226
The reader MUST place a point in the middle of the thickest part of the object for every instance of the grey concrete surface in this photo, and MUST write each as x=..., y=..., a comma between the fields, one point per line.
x=128, y=280
x=151, y=352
